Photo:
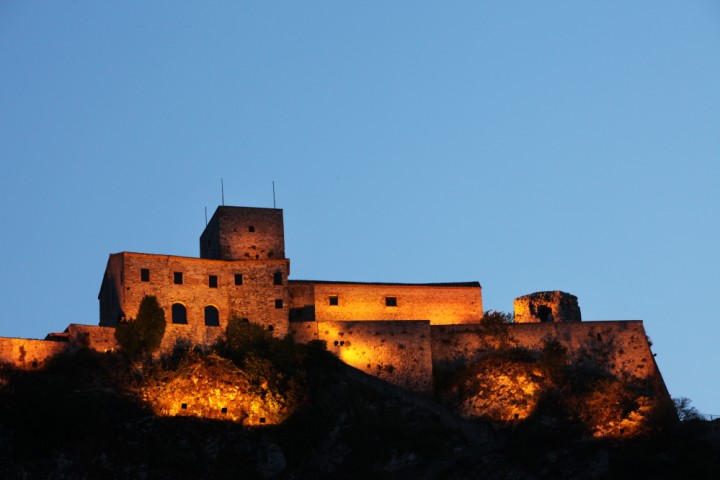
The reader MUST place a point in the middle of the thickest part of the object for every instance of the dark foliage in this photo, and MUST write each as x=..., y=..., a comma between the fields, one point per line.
x=142, y=335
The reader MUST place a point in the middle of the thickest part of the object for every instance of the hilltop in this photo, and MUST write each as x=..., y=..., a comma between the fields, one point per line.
x=93, y=415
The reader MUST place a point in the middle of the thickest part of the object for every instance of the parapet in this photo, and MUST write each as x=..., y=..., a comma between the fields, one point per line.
x=244, y=233
x=547, y=307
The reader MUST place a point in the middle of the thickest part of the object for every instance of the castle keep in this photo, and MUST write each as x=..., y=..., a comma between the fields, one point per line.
x=396, y=331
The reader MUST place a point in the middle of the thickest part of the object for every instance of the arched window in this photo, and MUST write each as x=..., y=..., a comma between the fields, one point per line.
x=212, y=317
x=179, y=313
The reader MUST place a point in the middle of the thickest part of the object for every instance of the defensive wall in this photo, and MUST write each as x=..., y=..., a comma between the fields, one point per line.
x=440, y=303
x=395, y=351
x=622, y=345
x=198, y=296
x=26, y=353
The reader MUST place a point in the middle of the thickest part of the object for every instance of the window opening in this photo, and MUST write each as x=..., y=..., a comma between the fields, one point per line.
x=223, y=410
x=179, y=313
x=177, y=278
x=333, y=299
x=212, y=281
x=212, y=316
x=238, y=279
x=278, y=303
x=270, y=328
x=391, y=301
x=183, y=406
x=545, y=314
x=277, y=278
x=251, y=228
x=144, y=274
x=262, y=419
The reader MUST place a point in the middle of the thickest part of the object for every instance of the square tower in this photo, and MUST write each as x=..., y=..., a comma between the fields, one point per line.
x=244, y=233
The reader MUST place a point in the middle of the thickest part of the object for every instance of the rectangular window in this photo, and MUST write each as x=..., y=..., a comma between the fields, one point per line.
x=177, y=278
x=278, y=303
x=251, y=228
x=238, y=279
x=277, y=278
x=391, y=301
x=212, y=281
x=144, y=274
x=333, y=299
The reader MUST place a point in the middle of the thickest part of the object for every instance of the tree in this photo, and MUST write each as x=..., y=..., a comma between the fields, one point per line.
x=496, y=317
x=685, y=411
x=143, y=334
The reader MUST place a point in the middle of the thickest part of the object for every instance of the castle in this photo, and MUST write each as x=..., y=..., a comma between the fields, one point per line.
x=398, y=332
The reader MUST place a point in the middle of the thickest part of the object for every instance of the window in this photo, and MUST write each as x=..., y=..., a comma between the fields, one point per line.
x=212, y=281
x=391, y=301
x=212, y=316
x=179, y=313
x=277, y=278
x=238, y=279
x=251, y=228
x=144, y=274
x=279, y=303
x=223, y=410
x=177, y=278
x=270, y=328
x=333, y=299
x=183, y=406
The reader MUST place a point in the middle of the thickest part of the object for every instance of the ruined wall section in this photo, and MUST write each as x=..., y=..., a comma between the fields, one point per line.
x=244, y=233
x=622, y=346
x=544, y=307
x=398, y=352
x=256, y=297
x=28, y=354
x=441, y=303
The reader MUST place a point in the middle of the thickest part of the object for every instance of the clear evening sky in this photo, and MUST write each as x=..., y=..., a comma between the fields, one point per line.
x=528, y=145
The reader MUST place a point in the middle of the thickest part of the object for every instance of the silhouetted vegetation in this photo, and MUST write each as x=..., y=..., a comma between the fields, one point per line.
x=142, y=335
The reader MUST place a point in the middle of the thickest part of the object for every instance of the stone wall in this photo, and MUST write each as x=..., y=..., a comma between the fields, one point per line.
x=258, y=298
x=622, y=344
x=395, y=351
x=28, y=354
x=243, y=233
x=101, y=339
x=541, y=307
x=439, y=303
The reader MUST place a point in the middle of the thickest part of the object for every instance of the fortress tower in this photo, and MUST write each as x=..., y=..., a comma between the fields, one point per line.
x=243, y=233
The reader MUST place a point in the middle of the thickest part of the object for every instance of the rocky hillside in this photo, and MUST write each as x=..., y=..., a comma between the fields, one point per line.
x=272, y=409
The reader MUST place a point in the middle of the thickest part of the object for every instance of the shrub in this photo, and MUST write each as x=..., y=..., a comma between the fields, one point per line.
x=497, y=317
x=142, y=335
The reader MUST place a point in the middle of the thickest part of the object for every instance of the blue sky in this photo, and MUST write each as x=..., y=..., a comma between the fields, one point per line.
x=527, y=145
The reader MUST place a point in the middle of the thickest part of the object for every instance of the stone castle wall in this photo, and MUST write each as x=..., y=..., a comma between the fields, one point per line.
x=26, y=353
x=101, y=339
x=441, y=304
x=622, y=344
x=257, y=298
x=395, y=351
x=242, y=233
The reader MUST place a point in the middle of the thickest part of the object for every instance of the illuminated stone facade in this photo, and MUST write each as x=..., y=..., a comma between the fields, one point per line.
x=401, y=333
